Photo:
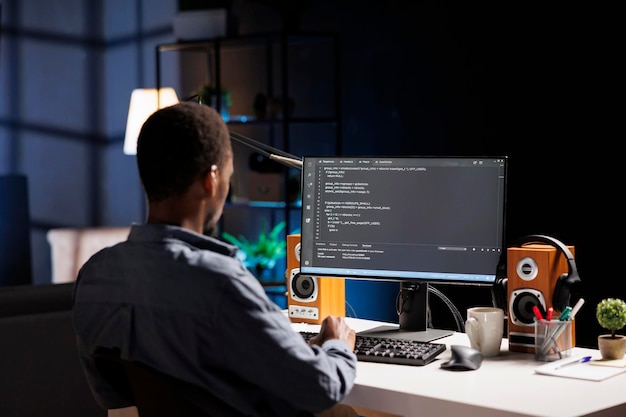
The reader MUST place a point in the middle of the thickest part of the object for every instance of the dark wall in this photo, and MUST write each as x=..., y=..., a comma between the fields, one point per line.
x=538, y=83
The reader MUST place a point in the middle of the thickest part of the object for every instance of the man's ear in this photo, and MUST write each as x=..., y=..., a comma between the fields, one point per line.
x=210, y=180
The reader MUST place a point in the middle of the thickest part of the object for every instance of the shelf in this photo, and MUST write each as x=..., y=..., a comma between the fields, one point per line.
x=263, y=204
x=285, y=93
x=272, y=284
x=243, y=119
x=249, y=41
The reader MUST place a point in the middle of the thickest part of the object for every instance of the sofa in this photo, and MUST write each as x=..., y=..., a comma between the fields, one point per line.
x=72, y=247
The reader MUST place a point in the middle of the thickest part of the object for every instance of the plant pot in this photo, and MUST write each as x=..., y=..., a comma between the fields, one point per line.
x=612, y=348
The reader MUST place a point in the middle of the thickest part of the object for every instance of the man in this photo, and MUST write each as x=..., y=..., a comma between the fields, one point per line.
x=181, y=302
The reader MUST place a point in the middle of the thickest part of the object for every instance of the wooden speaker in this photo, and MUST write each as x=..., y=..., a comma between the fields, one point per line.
x=532, y=271
x=310, y=299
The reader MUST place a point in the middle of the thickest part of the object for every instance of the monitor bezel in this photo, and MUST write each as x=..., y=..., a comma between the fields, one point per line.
x=487, y=279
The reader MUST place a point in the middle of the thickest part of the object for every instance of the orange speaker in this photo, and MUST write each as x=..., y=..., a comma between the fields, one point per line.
x=534, y=272
x=310, y=299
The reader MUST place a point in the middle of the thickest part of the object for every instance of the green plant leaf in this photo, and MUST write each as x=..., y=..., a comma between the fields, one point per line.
x=267, y=249
x=611, y=314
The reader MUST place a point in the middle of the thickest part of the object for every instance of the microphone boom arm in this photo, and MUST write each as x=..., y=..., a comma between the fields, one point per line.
x=266, y=150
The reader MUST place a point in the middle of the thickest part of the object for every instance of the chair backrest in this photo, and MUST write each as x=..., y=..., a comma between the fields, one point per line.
x=40, y=373
x=156, y=394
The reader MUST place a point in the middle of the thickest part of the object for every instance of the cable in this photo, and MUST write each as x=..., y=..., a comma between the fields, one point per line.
x=350, y=311
x=458, y=318
x=401, y=298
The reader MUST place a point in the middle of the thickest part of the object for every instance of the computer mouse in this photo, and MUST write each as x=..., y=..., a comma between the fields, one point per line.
x=464, y=358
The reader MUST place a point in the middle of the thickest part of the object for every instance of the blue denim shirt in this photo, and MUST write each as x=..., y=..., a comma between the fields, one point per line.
x=183, y=303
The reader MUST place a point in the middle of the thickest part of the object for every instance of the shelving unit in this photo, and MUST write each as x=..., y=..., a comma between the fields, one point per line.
x=297, y=75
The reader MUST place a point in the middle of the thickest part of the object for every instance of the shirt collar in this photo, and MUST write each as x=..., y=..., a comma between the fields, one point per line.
x=159, y=232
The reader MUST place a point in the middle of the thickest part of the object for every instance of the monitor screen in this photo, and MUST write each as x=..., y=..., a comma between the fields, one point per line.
x=407, y=219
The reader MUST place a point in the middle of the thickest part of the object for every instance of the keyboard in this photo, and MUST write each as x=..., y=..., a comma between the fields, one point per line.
x=391, y=350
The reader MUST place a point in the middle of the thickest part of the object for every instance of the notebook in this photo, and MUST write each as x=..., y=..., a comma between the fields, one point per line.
x=593, y=370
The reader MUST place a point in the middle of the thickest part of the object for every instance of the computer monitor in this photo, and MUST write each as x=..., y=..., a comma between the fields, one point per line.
x=415, y=220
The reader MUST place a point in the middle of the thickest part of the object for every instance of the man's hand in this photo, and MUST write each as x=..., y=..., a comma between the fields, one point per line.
x=334, y=328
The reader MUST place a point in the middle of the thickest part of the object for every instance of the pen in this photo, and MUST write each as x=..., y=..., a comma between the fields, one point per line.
x=537, y=312
x=551, y=339
x=576, y=362
x=576, y=307
x=549, y=314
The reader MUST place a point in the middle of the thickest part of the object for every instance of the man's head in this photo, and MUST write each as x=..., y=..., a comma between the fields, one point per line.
x=178, y=143
x=184, y=146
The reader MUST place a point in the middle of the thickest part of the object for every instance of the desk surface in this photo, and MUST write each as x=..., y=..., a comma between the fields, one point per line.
x=505, y=385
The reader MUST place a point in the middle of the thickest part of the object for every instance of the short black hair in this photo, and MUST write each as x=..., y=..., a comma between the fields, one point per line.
x=178, y=143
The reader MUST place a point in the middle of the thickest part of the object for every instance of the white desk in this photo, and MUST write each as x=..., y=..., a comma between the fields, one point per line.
x=503, y=386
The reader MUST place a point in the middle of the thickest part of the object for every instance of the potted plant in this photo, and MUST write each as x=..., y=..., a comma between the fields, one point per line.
x=207, y=94
x=611, y=315
x=261, y=255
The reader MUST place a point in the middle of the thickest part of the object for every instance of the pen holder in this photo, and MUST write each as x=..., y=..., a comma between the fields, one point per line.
x=553, y=339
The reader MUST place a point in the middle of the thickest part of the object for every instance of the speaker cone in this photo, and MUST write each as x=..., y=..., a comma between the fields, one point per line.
x=303, y=286
x=521, y=306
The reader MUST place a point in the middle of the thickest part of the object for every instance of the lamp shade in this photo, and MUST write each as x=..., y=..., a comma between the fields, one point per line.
x=144, y=102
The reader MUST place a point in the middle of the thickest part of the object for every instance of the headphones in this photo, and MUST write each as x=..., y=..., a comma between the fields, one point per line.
x=567, y=288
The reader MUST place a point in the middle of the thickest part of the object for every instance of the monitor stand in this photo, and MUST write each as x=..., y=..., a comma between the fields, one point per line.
x=412, y=308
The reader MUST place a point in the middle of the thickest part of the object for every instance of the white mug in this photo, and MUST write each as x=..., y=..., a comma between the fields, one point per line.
x=484, y=327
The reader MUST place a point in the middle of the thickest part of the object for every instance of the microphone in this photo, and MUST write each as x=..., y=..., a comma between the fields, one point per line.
x=268, y=151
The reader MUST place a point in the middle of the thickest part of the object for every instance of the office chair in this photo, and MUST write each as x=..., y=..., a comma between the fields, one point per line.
x=156, y=394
